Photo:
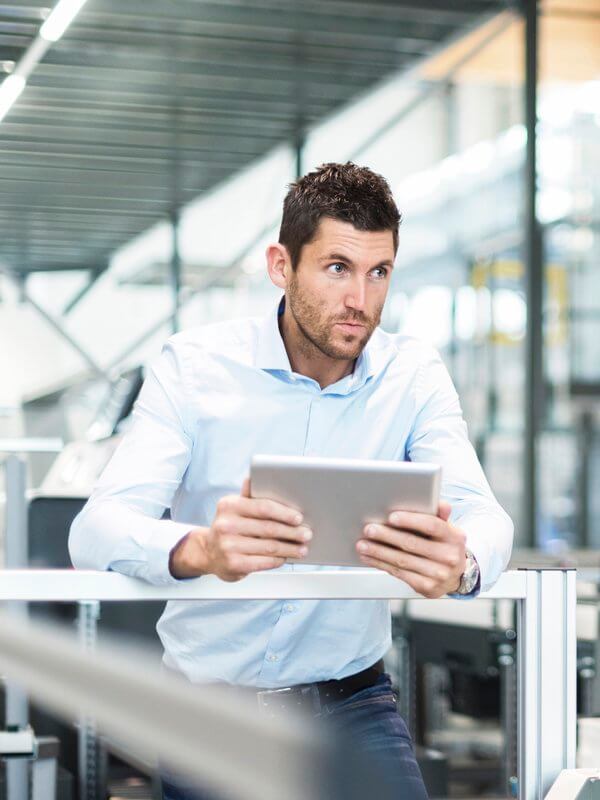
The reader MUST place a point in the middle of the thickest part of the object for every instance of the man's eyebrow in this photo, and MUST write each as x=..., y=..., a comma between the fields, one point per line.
x=337, y=257
x=347, y=260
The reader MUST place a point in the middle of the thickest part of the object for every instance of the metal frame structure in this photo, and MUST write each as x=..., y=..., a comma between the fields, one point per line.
x=546, y=635
x=140, y=107
x=288, y=80
x=15, y=556
x=546, y=630
x=533, y=410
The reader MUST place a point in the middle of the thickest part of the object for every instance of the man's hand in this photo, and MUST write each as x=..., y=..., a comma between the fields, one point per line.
x=247, y=535
x=424, y=551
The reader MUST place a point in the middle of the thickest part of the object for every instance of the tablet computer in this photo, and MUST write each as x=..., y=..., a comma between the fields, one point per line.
x=339, y=496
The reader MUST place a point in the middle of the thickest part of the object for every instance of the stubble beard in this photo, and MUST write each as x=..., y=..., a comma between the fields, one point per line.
x=317, y=330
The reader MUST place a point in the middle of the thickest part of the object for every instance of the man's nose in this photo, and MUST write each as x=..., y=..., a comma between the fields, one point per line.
x=356, y=297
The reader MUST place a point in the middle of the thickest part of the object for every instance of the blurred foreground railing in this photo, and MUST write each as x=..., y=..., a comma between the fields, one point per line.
x=546, y=601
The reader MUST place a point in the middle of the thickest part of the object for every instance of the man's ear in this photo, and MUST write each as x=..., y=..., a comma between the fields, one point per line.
x=278, y=265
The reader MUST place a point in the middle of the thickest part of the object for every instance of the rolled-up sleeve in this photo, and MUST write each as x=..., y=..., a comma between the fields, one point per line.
x=120, y=527
x=439, y=435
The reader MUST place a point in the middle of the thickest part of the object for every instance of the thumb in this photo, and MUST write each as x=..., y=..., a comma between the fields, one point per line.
x=444, y=510
x=245, y=491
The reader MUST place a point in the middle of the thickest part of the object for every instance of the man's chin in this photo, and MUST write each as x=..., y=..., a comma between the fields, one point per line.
x=347, y=349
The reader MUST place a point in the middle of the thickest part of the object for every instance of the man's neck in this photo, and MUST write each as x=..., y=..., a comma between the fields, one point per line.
x=306, y=358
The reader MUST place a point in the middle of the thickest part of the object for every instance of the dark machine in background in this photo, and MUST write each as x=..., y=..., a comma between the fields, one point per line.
x=51, y=510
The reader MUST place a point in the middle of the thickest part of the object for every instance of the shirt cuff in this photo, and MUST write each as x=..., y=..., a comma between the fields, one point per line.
x=489, y=538
x=164, y=536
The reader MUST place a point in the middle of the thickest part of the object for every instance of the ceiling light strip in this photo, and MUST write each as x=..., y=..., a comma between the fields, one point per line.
x=61, y=16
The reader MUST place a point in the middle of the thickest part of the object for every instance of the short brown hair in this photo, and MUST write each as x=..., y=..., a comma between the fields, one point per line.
x=344, y=192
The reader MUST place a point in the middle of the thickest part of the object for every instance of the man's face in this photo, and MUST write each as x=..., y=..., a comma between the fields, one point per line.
x=338, y=289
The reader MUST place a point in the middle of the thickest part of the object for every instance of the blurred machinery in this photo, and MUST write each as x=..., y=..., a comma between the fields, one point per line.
x=49, y=513
x=457, y=677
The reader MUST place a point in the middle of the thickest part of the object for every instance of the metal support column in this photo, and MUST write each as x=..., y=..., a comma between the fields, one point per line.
x=585, y=440
x=16, y=557
x=176, y=182
x=547, y=663
x=175, y=269
x=534, y=409
x=88, y=614
x=508, y=688
x=299, y=133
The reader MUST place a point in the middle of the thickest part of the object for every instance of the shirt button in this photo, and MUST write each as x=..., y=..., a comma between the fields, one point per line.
x=289, y=608
x=272, y=657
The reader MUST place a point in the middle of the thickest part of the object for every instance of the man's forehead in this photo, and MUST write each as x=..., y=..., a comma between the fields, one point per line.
x=332, y=232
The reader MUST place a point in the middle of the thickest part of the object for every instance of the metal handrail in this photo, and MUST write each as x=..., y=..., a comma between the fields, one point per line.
x=546, y=630
x=57, y=585
x=546, y=601
x=210, y=737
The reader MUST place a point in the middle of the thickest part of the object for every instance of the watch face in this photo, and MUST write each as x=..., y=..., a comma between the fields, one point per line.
x=468, y=584
x=470, y=576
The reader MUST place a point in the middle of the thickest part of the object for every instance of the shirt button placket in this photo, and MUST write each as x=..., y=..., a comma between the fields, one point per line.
x=312, y=445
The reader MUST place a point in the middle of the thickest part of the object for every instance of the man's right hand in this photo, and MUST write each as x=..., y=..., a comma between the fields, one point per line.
x=247, y=535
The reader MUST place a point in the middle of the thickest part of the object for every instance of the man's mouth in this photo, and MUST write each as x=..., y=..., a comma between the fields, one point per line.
x=351, y=327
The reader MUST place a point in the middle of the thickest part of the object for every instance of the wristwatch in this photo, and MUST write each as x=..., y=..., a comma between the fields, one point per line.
x=470, y=577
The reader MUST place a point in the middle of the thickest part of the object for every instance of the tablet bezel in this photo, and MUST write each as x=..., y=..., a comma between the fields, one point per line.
x=339, y=496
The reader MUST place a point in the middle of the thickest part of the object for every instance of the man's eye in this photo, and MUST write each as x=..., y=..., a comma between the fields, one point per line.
x=337, y=269
x=380, y=272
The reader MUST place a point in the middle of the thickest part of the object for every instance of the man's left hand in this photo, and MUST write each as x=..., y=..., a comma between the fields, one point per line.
x=424, y=551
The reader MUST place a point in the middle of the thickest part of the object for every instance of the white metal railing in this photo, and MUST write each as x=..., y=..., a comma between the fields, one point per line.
x=58, y=585
x=546, y=634
x=214, y=739
x=546, y=601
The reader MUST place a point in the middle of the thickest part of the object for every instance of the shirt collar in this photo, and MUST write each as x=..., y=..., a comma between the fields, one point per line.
x=271, y=353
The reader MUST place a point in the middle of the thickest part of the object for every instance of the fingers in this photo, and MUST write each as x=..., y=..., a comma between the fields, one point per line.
x=248, y=564
x=426, y=552
x=259, y=563
x=444, y=510
x=426, y=586
x=241, y=566
x=225, y=525
x=259, y=508
x=399, y=560
x=247, y=545
x=415, y=544
x=426, y=524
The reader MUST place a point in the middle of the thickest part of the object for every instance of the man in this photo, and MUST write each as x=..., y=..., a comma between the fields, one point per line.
x=316, y=377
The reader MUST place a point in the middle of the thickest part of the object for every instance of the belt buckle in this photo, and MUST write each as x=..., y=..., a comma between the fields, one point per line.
x=273, y=702
x=265, y=697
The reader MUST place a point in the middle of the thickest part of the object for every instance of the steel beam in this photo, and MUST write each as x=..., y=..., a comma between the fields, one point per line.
x=55, y=324
x=16, y=557
x=93, y=277
x=547, y=656
x=534, y=280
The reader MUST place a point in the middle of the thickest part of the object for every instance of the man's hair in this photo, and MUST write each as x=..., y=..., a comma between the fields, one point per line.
x=345, y=192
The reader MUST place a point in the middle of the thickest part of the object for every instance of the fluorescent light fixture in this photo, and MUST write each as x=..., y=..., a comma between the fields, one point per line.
x=60, y=18
x=10, y=89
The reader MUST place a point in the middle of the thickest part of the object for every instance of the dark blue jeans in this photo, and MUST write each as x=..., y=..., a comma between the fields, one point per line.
x=369, y=725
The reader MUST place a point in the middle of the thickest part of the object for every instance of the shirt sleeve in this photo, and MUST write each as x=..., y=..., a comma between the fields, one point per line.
x=120, y=527
x=439, y=435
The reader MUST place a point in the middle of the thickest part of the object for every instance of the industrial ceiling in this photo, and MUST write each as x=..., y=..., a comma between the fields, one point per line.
x=144, y=105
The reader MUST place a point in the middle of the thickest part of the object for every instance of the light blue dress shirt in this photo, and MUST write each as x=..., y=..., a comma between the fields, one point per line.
x=216, y=396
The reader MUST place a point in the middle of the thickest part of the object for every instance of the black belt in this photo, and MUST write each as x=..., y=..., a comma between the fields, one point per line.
x=312, y=696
